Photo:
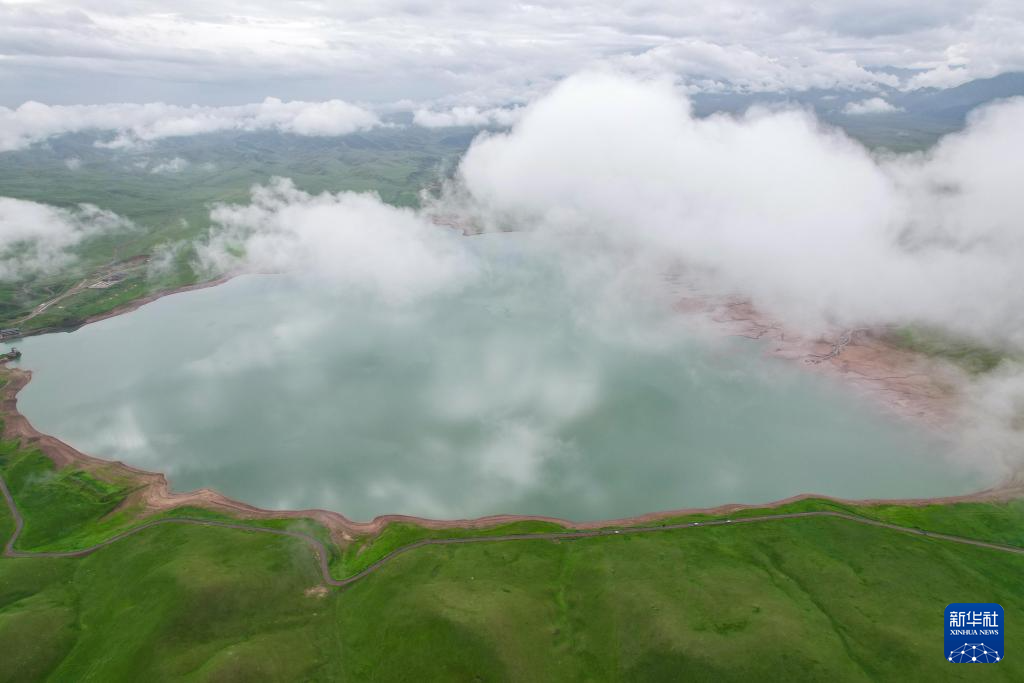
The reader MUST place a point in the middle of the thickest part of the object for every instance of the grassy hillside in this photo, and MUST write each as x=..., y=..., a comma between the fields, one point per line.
x=970, y=355
x=797, y=599
x=805, y=599
x=172, y=208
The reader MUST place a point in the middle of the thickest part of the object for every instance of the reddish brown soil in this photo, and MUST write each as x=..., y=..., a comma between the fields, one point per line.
x=909, y=384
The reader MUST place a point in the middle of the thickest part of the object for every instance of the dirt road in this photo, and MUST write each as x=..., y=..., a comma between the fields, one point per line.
x=43, y=307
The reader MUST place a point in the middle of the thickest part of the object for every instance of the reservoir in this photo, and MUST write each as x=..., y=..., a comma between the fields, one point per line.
x=517, y=393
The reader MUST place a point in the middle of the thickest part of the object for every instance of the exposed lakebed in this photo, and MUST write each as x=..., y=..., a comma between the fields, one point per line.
x=514, y=394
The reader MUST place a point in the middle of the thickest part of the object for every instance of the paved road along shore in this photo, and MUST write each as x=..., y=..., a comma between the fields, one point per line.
x=320, y=550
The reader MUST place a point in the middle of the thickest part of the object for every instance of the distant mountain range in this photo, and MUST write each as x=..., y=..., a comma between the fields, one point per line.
x=919, y=117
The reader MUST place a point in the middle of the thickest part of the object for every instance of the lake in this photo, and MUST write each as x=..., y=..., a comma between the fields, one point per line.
x=519, y=393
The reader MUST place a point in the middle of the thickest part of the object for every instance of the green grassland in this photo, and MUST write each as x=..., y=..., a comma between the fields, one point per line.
x=169, y=209
x=970, y=355
x=797, y=599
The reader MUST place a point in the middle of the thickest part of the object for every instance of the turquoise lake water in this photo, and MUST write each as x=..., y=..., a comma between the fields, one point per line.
x=507, y=396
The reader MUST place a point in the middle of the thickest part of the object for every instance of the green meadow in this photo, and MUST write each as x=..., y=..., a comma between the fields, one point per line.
x=171, y=211
x=796, y=599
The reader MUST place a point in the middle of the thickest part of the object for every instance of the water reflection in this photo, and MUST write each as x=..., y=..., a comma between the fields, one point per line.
x=515, y=395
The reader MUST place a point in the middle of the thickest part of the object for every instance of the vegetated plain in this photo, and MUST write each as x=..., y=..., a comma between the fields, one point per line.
x=811, y=598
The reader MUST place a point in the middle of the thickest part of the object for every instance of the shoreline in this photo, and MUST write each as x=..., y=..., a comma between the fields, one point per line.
x=903, y=383
x=154, y=494
x=132, y=305
x=733, y=317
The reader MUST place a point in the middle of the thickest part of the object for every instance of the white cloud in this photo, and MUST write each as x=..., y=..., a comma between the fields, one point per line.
x=37, y=239
x=873, y=105
x=133, y=124
x=73, y=163
x=345, y=240
x=467, y=116
x=516, y=453
x=482, y=54
x=237, y=354
x=985, y=47
x=175, y=165
x=996, y=400
x=163, y=257
x=773, y=204
x=708, y=66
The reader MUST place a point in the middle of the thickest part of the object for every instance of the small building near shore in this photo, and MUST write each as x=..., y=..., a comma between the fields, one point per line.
x=108, y=281
x=10, y=333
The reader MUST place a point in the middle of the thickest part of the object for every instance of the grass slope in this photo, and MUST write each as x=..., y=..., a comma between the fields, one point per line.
x=172, y=210
x=802, y=599
x=969, y=355
x=798, y=600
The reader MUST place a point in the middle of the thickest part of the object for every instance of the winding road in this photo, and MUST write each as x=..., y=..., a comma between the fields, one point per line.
x=42, y=308
x=320, y=550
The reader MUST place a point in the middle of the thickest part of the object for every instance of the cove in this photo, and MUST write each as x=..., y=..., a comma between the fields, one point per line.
x=508, y=395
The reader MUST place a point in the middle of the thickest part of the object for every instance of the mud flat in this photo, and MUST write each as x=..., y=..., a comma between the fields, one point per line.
x=905, y=383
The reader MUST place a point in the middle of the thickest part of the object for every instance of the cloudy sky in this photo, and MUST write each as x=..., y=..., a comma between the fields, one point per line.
x=221, y=52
